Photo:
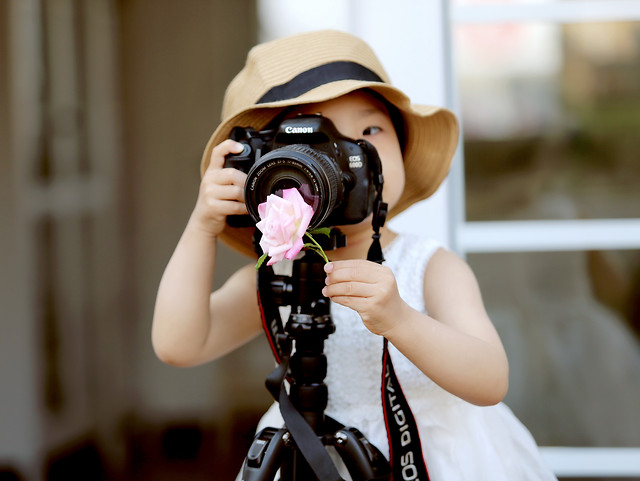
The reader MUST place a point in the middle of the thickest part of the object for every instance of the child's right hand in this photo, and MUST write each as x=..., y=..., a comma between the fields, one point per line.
x=221, y=191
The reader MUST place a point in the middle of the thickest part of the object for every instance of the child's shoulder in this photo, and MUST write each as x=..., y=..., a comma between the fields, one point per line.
x=410, y=256
x=414, y=249
x=447, y=272
x=431, y=256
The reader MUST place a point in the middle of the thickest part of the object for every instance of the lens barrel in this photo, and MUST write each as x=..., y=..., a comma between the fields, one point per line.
x=313, y=173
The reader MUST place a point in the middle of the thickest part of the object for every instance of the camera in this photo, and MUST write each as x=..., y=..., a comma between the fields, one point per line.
x=339, y=177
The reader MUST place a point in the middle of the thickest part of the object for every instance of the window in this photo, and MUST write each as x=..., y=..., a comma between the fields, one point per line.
x=547, y=210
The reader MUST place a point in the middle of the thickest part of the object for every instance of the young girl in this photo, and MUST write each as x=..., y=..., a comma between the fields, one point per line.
x=423, y=299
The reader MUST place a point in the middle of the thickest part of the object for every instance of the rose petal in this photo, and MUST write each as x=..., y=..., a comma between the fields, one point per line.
x=262, y=210
x=283, y=223
x=293, y=251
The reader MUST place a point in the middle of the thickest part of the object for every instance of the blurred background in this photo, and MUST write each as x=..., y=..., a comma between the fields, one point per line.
x=105, y=109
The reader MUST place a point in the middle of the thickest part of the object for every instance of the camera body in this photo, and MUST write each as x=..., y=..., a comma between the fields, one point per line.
x=339, y=177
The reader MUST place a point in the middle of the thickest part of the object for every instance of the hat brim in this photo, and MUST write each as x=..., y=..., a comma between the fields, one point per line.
x=431, y=137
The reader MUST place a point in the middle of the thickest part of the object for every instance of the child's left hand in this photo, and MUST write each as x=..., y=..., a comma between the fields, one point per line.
x=368, y=288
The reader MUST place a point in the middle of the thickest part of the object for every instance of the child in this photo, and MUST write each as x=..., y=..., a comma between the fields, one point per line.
x=424, y=299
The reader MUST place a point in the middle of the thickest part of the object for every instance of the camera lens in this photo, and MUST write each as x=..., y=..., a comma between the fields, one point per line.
x=315, y=174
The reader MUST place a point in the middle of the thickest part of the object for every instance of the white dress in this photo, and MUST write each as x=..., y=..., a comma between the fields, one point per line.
x=460, y=441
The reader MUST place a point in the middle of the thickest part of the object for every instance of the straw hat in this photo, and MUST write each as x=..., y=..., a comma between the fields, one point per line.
x=318, y=66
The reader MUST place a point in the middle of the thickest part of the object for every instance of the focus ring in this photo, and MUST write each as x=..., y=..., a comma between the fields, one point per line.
x=296, y=165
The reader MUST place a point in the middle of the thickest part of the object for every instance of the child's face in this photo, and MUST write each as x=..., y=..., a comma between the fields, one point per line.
x=360, y=116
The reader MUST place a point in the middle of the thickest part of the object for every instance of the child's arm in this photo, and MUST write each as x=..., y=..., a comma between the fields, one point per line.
x=455, y=345
x=191, y=325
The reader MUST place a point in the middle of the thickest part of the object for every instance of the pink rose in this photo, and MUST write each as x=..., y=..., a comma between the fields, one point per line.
x=284, y=221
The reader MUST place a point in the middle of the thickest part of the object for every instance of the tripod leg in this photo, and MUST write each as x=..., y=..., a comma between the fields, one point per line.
x=363, y=460
x=265, y=455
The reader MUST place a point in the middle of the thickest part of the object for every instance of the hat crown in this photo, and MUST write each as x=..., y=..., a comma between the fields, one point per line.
x=275, y=63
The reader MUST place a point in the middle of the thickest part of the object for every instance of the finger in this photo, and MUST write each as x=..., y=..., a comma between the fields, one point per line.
x=342, y=264
x=357, y=264
x=227, y=192
x=228, y=207
x=348, y=289
x=362, y=271
x=216, y=161
x=228, y=176
x=356, y=303
x=233, y=207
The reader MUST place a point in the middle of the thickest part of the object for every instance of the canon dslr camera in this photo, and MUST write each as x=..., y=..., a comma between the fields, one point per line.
x=339, y=177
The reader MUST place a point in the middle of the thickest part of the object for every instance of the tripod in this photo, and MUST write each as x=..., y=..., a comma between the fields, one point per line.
x=299, y=449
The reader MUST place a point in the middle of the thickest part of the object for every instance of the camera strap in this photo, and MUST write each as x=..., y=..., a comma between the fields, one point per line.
x=270, y=314
x=405, y=449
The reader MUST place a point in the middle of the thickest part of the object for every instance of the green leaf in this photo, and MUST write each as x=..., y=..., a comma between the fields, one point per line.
x=321, y=230
x=261, y=261
x=316, y=247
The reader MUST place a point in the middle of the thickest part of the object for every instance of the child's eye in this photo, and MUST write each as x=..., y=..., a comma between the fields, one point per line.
x=371, y=130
